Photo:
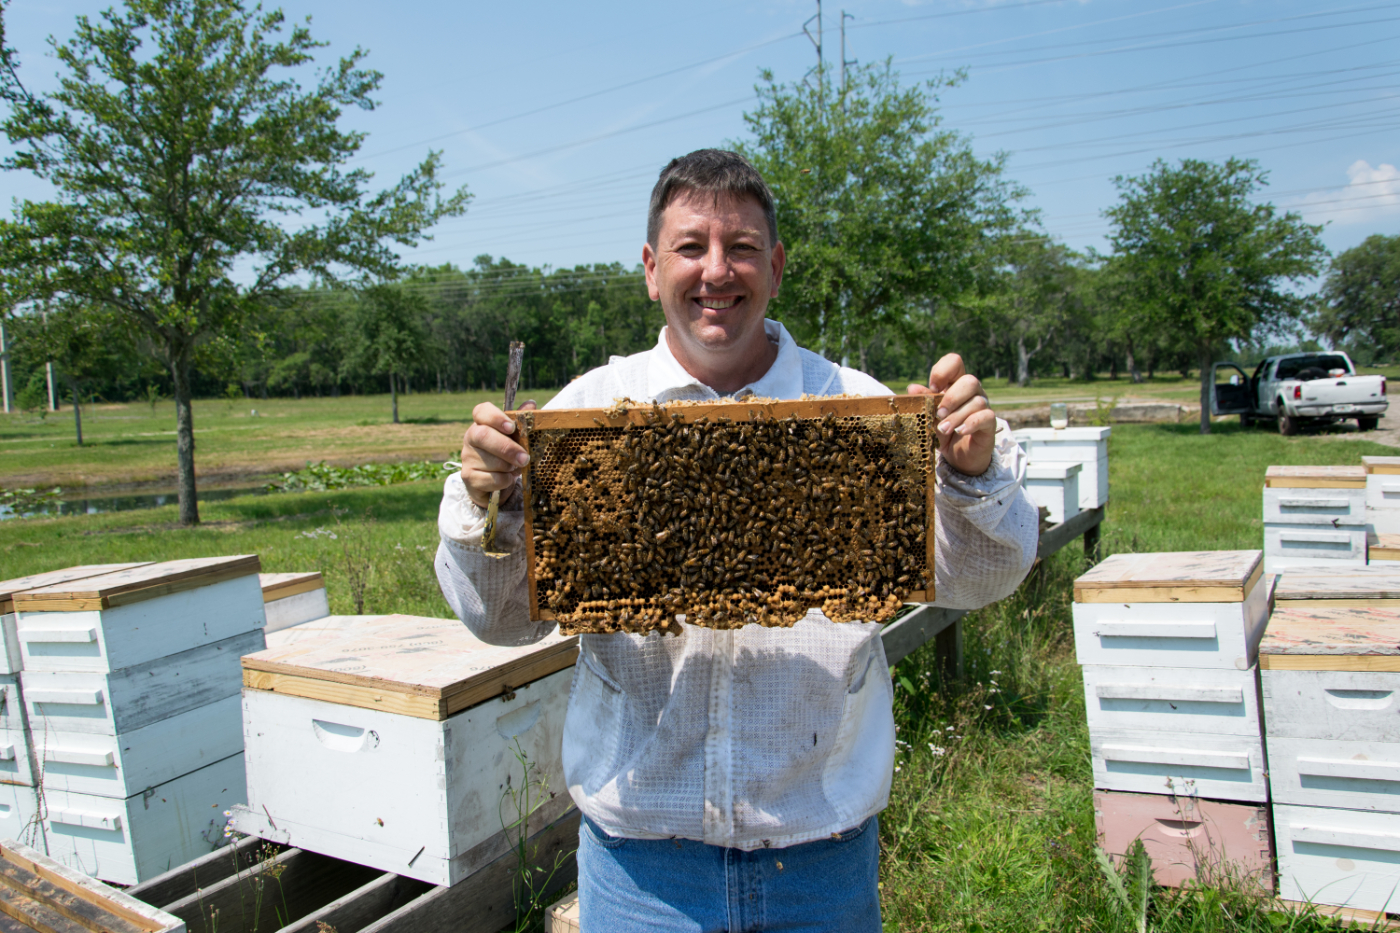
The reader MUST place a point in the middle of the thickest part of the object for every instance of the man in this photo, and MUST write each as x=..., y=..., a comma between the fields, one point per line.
x=730, y=780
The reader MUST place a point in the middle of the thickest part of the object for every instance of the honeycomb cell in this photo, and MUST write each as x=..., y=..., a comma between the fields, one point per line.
x=653, y=513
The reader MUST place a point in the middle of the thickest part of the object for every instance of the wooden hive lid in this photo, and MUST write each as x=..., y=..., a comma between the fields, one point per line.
x=1315, y=477
x=1339, y=590
x=1305, y=638
x=1384, y=548
x=9, y=588
x=277, y=586
x=1172, y=577
x=39, y=893
x=136, y=584
x=1383, y=465
x=415, y=666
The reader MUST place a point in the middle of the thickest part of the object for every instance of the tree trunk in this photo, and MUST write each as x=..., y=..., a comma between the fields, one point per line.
x=865, y=358
x=394, y=396
x=1023, y=362
x=180, y=366
x=1207, y=385
x=77, y=415
x=1131, y=362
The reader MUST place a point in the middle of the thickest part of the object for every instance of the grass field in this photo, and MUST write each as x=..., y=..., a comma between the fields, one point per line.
x=990, y=828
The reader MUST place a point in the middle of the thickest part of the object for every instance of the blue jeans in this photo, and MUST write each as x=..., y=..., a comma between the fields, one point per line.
x=675, y=885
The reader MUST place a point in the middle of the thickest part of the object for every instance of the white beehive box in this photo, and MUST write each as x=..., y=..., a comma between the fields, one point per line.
x=1345, y=858
x=416, y=705
x=1302, y=544
x=19, y=815
x=293, y=598
x=126, y=841
x=134, y=697
x=1223, y=767
x=1301, y=540
x=1055, y=487
x=1332, y=773
x=1179, y=609
x=10, y=661
x=1086, y=446
x=1326, y=507
x=123, y=619
x=1172, y=699
x=126, y=764
x=1383, y=493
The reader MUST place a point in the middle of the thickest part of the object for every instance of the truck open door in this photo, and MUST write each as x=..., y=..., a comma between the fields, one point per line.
x=1232, y=393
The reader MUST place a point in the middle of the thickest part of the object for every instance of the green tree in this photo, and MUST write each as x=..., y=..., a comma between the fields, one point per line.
x=1038, y=295
x=1361, y=298
x=182, y=149
x=878, y=207
x=388, y=334
x=1204, y=261
x=84, y=343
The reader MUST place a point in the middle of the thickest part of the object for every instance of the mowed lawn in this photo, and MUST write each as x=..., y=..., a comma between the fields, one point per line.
x=990, y=824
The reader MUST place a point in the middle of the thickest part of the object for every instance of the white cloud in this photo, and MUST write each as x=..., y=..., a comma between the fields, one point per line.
x=1370, y=193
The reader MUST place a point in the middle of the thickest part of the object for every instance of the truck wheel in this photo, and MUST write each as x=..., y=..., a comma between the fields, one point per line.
x=1287, y=424
x=1368, y=424
x=1246, y=421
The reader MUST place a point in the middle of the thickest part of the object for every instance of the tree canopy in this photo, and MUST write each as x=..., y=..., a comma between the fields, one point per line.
x=1204, y=261
x=1361, y=298
x=186, y=158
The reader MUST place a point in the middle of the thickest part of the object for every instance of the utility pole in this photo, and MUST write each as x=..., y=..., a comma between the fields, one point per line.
x=844, y=61
x=7, y=389
x=816, y=41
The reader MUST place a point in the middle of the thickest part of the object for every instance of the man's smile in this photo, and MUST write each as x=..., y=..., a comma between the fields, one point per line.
x=717, y=304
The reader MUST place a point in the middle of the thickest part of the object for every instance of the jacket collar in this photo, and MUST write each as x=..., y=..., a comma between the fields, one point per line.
x=668, y=379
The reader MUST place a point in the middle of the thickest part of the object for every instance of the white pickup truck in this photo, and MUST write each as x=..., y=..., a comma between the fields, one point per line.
x=1300, y=389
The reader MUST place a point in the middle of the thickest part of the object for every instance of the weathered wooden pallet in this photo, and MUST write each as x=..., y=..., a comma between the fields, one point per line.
x=738, y=565
x=39, y=894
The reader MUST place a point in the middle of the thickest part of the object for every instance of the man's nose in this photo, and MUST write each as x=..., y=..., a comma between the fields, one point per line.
x=717, y=267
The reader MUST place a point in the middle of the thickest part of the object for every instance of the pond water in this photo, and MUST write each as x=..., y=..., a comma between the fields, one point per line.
x=95, y=504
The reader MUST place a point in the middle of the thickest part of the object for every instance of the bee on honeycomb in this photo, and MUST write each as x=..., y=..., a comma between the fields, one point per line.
x=650, y=513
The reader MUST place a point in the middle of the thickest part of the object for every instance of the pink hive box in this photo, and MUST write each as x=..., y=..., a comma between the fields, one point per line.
x=1189, y=838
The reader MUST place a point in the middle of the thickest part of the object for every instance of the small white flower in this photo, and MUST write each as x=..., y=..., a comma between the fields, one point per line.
x=988, y=706
x=996, y=673
x=952, y=728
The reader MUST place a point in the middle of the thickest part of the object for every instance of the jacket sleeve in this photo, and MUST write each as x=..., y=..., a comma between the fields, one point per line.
x=986, y=529
x=486, y=593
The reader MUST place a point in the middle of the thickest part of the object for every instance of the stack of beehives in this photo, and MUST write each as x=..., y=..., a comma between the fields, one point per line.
x=130, y=687
x=19, y=802
x=1330, y=664
x=391, y=741
x=1314, y=517
x=1168, y=645
x=293, y=599
x=1052, y=480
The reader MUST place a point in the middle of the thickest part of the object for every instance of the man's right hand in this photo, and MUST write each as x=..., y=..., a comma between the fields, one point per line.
x=491, y=460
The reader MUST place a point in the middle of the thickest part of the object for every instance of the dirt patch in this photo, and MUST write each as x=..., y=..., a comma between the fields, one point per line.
x=1387, y=432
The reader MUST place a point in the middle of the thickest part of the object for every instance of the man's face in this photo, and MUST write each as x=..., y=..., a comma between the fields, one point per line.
x=713, y=270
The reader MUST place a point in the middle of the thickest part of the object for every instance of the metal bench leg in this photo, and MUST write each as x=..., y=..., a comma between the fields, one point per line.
x=948, y=647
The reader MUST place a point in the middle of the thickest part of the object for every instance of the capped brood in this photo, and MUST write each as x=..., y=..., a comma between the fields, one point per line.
x=729, y=512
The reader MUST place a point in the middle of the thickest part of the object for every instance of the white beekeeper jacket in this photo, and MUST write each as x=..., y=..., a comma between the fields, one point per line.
x=757, y=736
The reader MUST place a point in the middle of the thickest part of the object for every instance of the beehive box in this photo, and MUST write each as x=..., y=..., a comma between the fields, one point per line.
x=134, y=697
x=125, y=764
x=317, y=629
x=391, y=742
x=729, y=513
x=126, y=841
x=1346, y=858
x=1172, y=700
x=1377, y=587
x=1189, y=839
x=1178, y=609
x=16, y=753
x=1086, y=446
x=1383, y=493
x=1056, y=487
x=40, y=894
x=293, y=598
x=1331, y=677
x=123, y=619
x=1326, y=507
x=1225, y=767
x=10, y=661
x=1383, y=548
x=1315, y=477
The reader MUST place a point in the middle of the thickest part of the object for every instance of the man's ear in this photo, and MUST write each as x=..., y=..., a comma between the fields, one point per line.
x=779, y=261
x=649, y=264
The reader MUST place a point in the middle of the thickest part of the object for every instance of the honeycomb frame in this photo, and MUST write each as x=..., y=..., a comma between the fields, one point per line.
x=622, y=507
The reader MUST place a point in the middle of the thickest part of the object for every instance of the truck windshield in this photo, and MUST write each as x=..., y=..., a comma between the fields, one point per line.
x=1294, y=365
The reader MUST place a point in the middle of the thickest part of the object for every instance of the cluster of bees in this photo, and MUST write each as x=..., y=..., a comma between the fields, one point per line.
x=728, y=523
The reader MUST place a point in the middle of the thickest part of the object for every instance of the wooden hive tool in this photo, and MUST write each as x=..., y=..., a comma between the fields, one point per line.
x=488, y=535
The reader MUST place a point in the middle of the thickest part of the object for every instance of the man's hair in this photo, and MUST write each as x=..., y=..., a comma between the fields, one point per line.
x=717, y=172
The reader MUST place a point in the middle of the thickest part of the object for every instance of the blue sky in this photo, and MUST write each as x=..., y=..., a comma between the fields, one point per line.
x=558, y=116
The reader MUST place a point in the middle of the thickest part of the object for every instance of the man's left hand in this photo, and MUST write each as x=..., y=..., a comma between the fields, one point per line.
x=967, y=427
